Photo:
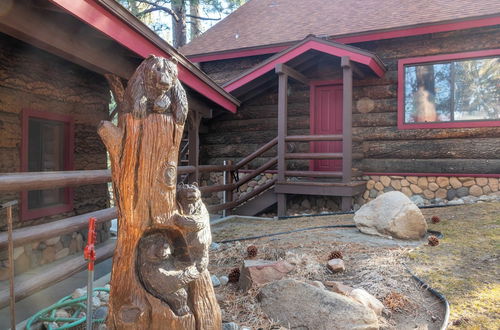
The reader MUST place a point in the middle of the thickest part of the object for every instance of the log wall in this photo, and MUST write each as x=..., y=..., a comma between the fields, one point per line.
x=384, y=147
x=33, y=79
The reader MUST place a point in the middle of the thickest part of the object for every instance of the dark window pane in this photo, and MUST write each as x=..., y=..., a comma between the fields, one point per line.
x=45, y=153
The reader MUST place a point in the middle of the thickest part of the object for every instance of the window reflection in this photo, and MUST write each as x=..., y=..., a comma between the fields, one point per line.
x=453, y=91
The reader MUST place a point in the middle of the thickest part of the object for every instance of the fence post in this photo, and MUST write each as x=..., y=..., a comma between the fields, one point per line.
x=227, y=179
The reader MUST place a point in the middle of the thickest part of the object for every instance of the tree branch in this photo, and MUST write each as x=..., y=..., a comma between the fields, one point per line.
x=204, y=18
x=157, y=7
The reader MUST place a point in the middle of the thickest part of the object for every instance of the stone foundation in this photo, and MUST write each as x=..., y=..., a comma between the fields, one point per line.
x=40, y=253
x=430, y=190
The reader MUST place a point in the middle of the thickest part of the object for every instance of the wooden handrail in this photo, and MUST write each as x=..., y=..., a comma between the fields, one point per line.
x=314, y=155
x=233, y=204
x=27, y=283
x=45, y=231
x=307, y=138
x=264, y=167
x=256, y=153
x=46, y=180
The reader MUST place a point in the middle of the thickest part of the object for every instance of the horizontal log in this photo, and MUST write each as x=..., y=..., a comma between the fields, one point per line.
x=260, y=138
x=480, y=148
x=261, y=124
x=393, y=133
x=241, y=151
x=45, y=180
x=260, y=151
x=216, y=188
x=48, y=275
x=466, y=166
x=314, y=155
x=45, y=231
x=375, y=119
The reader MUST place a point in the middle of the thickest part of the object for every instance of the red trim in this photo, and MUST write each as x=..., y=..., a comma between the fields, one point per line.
x=436, y=174
x=304, y=47
x=407, y=32
x=95, y=15
x=237, y=54
x=397, y=33
x=69, y=136
x=438, y=58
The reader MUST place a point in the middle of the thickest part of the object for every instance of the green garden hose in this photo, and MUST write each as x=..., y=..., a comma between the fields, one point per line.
x=49, y=314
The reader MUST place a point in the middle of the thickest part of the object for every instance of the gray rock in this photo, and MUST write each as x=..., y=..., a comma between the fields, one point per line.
x=298, y=305
x=366, y=299
x=462, y=191
x=214, y=246
x=391, y=214
x=96, y=302
x=78, y=293
x=215, y=281
x=223, y=280
x=469, y=199
x=418, y=200
x=336, y=265
x=230, y=326
x=456, y=202
x=100, y=313
x=452, y=193
x=373, y=193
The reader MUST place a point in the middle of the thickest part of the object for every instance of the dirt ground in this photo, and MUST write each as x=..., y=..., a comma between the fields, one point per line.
x=372, y=263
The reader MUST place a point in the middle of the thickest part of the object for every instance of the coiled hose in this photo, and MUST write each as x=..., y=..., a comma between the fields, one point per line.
x=77, y=304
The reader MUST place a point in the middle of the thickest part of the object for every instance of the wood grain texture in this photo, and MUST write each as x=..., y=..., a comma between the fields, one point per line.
x=143, y=151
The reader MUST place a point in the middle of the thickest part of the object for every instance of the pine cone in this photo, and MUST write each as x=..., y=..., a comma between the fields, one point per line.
x=252, y=251
x=435, y=219
x=234, y=275
x=336, y=255
x=433, y=241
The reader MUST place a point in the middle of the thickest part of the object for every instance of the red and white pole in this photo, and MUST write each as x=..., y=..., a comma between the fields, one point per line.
x=89, y=255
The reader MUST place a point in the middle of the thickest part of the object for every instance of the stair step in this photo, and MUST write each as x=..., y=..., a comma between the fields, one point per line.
x=257, y=204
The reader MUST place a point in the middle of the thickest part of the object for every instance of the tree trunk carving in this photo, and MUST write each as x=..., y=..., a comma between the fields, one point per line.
x=160, y=278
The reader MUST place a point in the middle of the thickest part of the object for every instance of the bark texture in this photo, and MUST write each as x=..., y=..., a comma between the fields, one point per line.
x=158, y=280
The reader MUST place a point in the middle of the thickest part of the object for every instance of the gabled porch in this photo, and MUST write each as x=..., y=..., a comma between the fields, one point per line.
x=321, y=162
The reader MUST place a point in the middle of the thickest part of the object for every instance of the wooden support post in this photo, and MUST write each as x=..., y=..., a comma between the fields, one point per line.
x=194, y=144
x=228, y=180
x=346, y=203
x=282, y=132
x=347, y=120
x=12, y=307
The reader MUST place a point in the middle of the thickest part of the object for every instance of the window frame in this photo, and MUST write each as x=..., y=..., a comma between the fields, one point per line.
x=25, y=213
x=436, y=59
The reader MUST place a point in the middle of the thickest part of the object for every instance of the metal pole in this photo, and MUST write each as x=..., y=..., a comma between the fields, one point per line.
x=11, y=264
x=89, y=254
x=224, y=182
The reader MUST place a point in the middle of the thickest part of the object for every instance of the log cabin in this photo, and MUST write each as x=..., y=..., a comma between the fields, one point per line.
x=53, y=94
x=345, y=100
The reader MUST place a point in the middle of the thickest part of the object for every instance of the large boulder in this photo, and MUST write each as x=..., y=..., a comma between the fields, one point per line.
x=391, y=215
x=298, y=305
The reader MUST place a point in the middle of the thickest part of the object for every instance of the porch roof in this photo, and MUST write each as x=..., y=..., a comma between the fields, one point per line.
x=365, y=58
x=104, y=37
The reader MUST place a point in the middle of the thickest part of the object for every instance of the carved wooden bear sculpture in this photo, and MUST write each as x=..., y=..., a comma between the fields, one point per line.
x=169, y=260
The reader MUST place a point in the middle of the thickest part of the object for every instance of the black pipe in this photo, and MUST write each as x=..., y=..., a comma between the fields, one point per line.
x=436, y=293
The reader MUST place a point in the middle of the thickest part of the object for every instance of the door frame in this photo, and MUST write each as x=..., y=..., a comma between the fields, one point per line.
x=314, y=84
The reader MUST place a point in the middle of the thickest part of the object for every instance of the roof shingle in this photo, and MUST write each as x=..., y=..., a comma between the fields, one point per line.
x=268, y=22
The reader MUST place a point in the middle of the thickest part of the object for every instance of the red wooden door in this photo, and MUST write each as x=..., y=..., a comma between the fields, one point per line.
x=327, y=119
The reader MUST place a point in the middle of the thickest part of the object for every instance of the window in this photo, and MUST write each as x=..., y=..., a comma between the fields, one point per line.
x=458, y=90
x=47, y=145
